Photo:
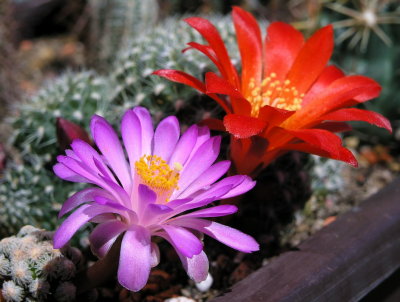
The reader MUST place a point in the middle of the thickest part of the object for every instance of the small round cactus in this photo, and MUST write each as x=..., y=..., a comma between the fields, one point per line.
x=31, y=270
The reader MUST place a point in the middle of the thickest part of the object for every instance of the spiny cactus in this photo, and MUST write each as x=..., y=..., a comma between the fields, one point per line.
x=30, y=194
x=31, y=270
x=161, y=48
x=74, y=96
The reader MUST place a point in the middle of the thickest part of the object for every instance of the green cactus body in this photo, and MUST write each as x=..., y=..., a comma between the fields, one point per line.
x=30, y=194
x=74, y=96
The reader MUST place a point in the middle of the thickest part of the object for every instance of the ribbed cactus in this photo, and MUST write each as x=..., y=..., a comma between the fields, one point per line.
x=31, y=270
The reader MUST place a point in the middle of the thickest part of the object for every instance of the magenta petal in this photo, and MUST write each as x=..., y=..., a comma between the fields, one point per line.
x=77, y=219
x=207, y=197
x=227, y=235
x=135, y=258
x=196, y=267
x=183, y=240
x=67, y=174
x=208, y=177
x=112, y=204
x=91, y=158
x=104, y=235
x=131, y=132
x=154, y=213
x=244, y=186
x=80, y=169
x=204, y=157
x=81, y=197
x=216, y=211
x=72, y=154
x=155, y=255
x=185, y=146
x=108, y=142
x=165, y=137
x=146, y=125
x=203, y=134
x=146, y=195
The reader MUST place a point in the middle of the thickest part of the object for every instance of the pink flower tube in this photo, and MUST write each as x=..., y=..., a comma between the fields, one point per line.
x=150, y=187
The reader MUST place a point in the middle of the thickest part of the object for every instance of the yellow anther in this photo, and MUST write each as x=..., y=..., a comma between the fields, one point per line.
x=273, y=92
x=178, y=167
x=156, y=173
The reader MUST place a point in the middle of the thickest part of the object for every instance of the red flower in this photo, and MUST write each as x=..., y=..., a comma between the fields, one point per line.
x=286, y=97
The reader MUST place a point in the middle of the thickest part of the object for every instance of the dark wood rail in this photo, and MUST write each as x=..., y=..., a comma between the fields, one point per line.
x=343, y=262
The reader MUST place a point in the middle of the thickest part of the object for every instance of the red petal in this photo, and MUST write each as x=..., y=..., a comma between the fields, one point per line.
x=345, y=155
x=250, y=46
x=354, y=114
x=312, y=59
x=282, y=46
x=184, y=78
x=181, y=77
x=243, y=126
x=274, y=116
x=210, y=33
x=208, y=51
x=324, y=141
x=213, y=124
x=328, y=75
x=338, y=94
x=333, y=127
x=215, y=84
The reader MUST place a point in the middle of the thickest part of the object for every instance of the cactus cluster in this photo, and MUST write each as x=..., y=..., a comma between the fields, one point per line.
x=31, y=270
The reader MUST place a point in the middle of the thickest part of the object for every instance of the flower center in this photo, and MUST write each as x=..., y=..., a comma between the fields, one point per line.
x=275, y=93
x=155, y=173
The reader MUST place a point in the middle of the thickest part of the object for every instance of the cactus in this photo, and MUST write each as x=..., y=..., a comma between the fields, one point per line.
x=161, y=48
x=31, y=270
x=114, y=22
x=30, y=194
x=75, y=96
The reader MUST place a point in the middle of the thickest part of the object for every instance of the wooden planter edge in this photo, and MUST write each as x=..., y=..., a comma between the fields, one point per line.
x=342, y=262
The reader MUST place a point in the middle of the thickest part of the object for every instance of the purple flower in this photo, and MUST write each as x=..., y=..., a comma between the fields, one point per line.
x=150, y=194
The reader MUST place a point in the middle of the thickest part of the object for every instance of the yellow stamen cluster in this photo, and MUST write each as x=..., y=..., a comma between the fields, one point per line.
x=157, y=174
x=275, y=93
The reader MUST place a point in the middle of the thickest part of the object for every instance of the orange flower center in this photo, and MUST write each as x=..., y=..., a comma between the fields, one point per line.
x=275, y=93
x=155, y=173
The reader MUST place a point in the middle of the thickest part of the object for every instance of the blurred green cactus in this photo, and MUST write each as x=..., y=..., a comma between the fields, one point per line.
x=114, y=23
